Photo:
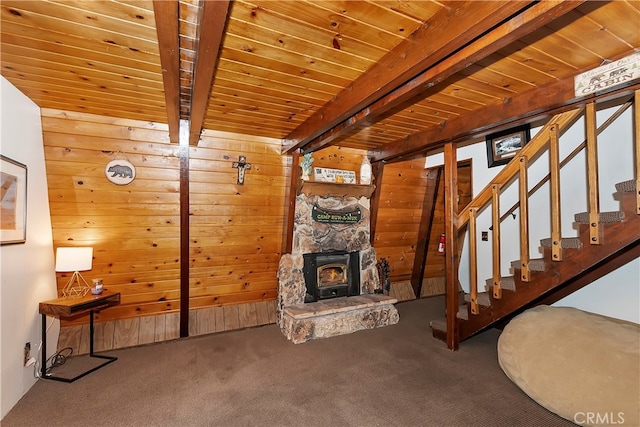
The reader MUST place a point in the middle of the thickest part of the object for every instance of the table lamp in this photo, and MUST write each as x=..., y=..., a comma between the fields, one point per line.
x=76, y=260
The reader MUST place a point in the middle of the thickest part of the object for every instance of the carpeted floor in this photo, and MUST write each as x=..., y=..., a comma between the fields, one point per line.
x=393, y=376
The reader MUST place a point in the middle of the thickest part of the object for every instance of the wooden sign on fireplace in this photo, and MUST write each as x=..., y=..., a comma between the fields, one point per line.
x=335, y=217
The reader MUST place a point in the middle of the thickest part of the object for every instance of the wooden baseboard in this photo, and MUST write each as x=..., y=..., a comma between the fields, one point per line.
x=402, y=291
x=432, y=286
x=124, y=333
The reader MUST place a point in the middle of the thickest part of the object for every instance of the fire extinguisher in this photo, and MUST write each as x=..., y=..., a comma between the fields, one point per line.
x=441, y=244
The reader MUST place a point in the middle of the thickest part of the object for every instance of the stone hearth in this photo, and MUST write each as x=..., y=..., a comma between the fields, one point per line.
x=338, y=316
x=301, y=322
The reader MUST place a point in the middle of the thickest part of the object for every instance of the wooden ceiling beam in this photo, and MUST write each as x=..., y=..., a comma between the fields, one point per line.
x=427, y=82
x=449, y=30
x=166, y=14
x=211, y=27
x=547, y=100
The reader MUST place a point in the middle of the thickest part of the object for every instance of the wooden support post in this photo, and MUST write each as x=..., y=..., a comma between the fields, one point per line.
x=554, y=169
x=495, y=241
x=377, y=170
x=287, y=239
x=592, y=174
x=473, y=261
x=183, y=153
x=451, y=243
x=524, y=218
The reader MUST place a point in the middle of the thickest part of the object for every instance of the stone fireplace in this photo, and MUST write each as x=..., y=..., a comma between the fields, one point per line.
x=329, y=284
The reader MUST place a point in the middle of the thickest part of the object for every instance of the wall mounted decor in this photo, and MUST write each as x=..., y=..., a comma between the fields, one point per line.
x=328, y=216
x=334, y=175
x=120, y=171
x=13, y=195
x=503, y=146
x=242, y=165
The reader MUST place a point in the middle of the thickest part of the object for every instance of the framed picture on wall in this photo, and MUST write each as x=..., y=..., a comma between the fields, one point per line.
x=13, y=207
x=503, y=146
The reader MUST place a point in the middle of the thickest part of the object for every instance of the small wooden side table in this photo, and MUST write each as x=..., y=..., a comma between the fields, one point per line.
x=68, y=307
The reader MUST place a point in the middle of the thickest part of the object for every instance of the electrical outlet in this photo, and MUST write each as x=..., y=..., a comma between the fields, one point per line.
x=27, y=353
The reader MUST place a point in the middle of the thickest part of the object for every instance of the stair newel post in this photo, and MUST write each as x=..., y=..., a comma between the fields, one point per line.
x=554, y=169
x=636, y=115
x=495, y=219
x=451, y=243
x=592, y=174
x=524, y=218
x=473, y=260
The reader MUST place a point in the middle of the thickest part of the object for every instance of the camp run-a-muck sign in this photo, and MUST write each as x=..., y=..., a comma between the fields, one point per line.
x=608, y=76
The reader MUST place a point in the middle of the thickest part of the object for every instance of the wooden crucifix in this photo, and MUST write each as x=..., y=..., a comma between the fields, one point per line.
x=242, y=165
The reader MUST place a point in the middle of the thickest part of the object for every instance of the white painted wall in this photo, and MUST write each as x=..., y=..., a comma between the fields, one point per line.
x=27, y=270
x=615, y=295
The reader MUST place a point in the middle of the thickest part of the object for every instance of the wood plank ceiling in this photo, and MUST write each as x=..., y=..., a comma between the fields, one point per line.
x=389, y=76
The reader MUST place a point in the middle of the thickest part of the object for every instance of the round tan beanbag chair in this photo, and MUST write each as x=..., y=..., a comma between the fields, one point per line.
x=581, y=366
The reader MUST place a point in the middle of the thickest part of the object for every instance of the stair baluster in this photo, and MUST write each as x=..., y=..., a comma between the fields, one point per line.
x=524, y=218
x=554, y=170
x=473, y=260
x=495, y=219
x=592, y=175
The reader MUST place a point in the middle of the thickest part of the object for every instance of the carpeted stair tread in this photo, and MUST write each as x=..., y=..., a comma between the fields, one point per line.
x=537, y=264
x=463, y=312
x=506, y=282
x=483, y=299
x=439, y=324
x=626, y=186
x=565, y=243
x=615, y=216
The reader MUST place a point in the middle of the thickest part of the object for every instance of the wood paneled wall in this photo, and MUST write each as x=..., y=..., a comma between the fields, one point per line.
x=235, y=230
x=402, y=194
x=434, y=266
x=133, y=228
x=339, y=158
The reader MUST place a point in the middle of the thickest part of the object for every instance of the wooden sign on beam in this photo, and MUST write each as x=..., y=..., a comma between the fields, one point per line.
x=608, y=76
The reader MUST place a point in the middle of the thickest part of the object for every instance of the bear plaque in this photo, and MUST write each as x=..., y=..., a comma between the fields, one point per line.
x=120, y=172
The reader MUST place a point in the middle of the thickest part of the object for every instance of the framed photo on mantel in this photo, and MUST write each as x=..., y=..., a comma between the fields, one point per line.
x=503, y=146
x=13, y=208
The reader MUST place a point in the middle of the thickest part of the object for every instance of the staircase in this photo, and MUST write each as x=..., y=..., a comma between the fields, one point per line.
x=605, y=242
x=551, y=281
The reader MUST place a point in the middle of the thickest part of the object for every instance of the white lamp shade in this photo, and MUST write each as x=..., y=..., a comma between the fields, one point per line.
x=74, y=259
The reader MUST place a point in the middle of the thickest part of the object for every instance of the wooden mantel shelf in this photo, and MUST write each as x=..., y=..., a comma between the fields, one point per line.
x=332, y=189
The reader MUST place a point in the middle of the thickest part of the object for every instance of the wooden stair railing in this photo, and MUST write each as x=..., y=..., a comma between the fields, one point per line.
x=547, y=139
x=573, y=154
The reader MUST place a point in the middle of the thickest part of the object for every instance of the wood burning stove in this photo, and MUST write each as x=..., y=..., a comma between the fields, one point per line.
x=331, y=275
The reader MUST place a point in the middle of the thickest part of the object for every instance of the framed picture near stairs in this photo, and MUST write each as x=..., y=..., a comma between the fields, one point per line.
x=504, y=145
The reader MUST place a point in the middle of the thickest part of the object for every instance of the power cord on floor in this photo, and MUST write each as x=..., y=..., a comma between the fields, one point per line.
x=60, y=357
